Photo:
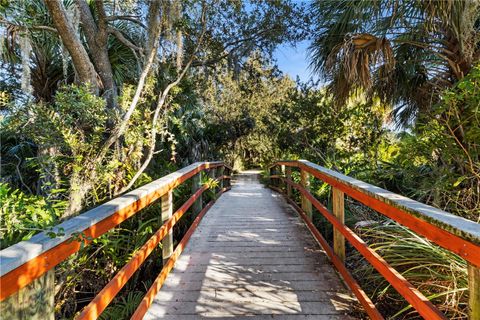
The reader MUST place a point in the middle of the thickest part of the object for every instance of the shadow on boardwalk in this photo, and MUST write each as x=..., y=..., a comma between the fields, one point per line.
x=251, y=257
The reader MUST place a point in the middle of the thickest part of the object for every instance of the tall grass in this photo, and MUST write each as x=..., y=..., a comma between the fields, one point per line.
x=439, y=274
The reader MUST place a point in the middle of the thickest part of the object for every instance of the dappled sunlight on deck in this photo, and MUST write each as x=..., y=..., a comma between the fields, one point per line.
x=251, y=259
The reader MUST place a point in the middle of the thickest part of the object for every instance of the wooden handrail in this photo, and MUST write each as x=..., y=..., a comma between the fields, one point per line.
x=108, y=293
x=22, y=263
x=453, y=233
x=457, y=234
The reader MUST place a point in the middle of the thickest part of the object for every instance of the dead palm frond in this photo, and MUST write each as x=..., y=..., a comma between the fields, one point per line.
x=354, y=58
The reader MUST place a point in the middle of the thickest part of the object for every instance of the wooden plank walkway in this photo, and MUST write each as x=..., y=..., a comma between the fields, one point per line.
x=251, y=257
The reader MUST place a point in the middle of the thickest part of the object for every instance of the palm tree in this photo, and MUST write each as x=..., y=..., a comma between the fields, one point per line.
x=404, y=51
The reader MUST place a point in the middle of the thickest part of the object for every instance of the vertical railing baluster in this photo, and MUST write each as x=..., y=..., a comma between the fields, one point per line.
x=474, y=292
x=306, y=204
x=167, y=211
x=272, y=173
x=221, y=171
x=288, y=176
x=228, y=182
x=339, y=212
x=35, y=301
x=197, y=184
x=212, y=174
x=281, y=182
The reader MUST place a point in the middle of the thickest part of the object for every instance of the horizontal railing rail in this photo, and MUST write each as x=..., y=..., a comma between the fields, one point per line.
x=26, y=261
x=454, y=233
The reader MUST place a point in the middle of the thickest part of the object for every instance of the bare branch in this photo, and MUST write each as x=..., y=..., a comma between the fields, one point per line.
x=119, y=35
x=46, y=28
x=17, y=167
x=102, y=16
x=97, y=39
x=154, y=24
x=161, y=102
x=127, y=18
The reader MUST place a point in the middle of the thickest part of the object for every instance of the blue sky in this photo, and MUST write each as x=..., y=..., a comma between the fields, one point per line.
x=294, y=61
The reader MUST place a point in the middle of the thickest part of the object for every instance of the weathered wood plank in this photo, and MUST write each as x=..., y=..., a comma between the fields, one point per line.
x=242, y=294
x=262, y=317
x=33, y=302
x=474, y=292
x=167, y=211
x=339, y=212
x=215, y=308
x=305, y=182
x=254, y=275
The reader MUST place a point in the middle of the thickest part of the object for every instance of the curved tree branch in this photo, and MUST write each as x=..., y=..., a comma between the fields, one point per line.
x=160, y=105
x=119, y=35
x=152, y=47
x=133, y=19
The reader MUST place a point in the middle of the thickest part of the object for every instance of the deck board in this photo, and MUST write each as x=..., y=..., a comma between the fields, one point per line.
x=252, y=258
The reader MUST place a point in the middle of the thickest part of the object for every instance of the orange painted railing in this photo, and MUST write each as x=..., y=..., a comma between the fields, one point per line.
x=26, y=261
x=453, y=233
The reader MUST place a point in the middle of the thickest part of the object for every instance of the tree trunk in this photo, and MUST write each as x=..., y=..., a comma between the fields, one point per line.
x=83, y=66
x=79, y=189
x=97, y=39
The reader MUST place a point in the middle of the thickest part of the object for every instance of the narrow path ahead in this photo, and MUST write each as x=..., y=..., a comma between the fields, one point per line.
x=251, y=257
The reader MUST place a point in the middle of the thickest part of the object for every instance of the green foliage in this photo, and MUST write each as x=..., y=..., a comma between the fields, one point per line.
x=212, y=184
x=242, y=111
x=438, y=162
x=74, y=122
x=94, y=265
x=260, y=115
x=23, y=215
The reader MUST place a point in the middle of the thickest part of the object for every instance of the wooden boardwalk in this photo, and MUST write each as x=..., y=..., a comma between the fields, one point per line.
x=251, y=257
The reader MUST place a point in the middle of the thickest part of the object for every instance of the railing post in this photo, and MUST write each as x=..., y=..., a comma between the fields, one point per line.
x=306, y=205
x=277, y=171
x=339, y=213
x=36, y=301
x=212, y=173
x=282, y=172
x=474, y=292
x=197, y=184
x=288, y=176
x=272, y=172
x=167, y=211
x=226, y=182
x=221, y=171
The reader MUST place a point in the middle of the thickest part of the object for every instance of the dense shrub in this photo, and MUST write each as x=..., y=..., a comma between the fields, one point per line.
x=23, y=215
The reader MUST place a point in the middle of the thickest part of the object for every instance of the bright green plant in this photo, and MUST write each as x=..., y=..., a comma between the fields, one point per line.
x=23, y=215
